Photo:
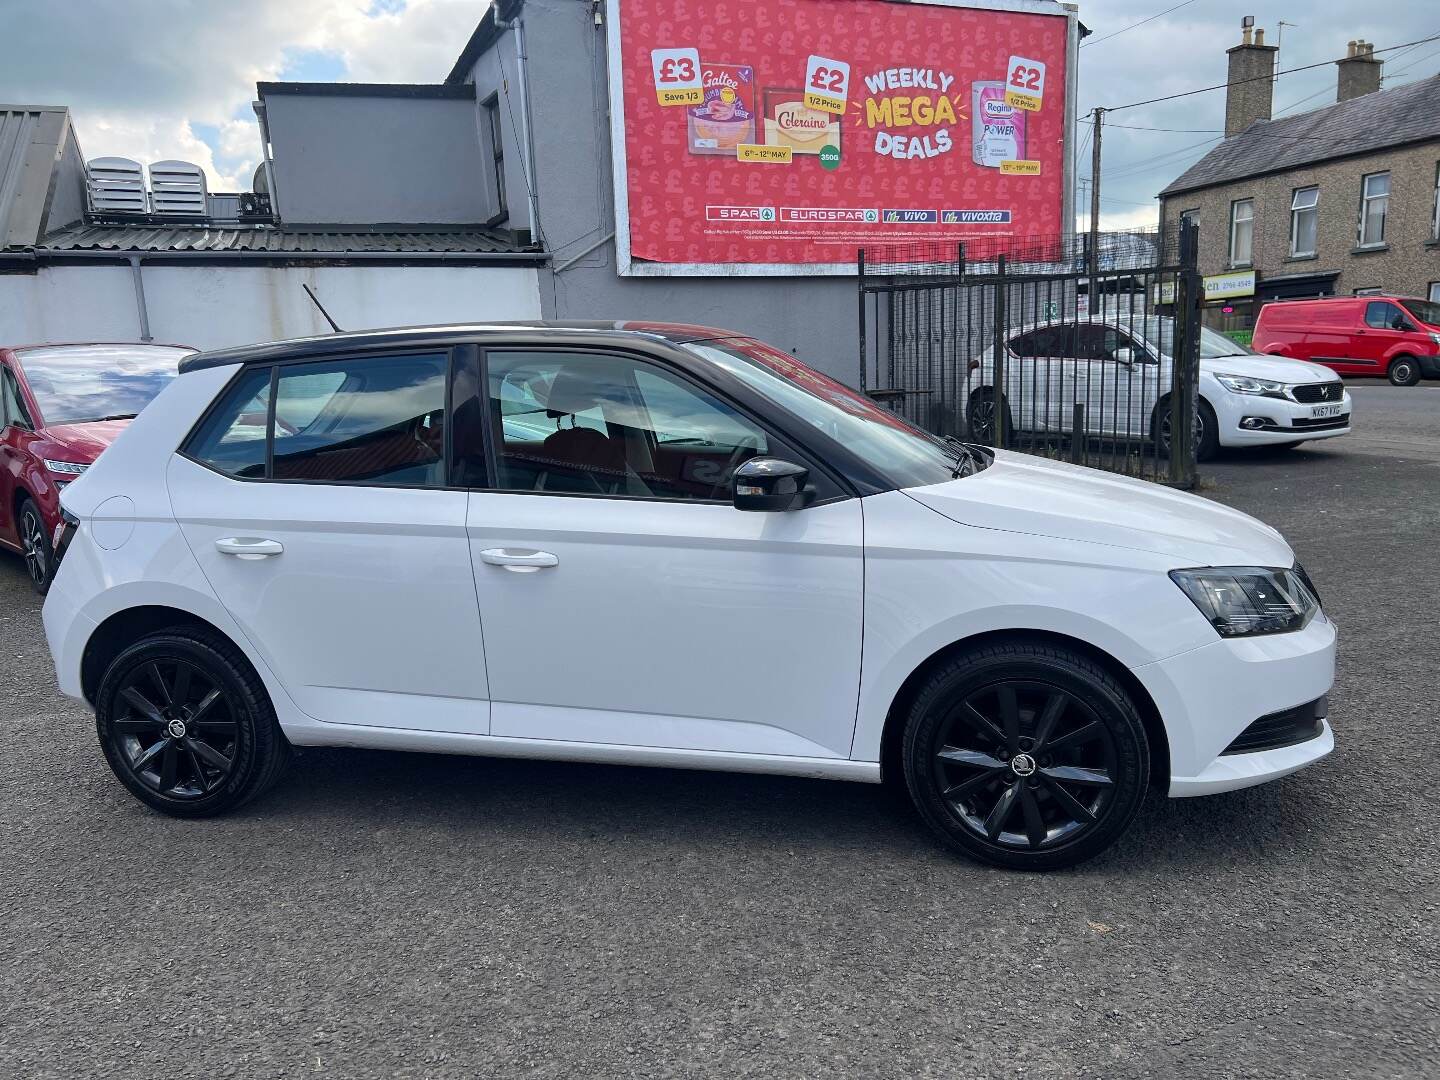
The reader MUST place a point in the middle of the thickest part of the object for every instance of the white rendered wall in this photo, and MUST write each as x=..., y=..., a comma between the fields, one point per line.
x=210, y=306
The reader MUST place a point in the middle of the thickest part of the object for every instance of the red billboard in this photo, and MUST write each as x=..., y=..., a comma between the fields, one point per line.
x=787, y=133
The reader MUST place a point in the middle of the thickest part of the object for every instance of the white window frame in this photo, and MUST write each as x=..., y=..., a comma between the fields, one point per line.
x=1371, y=290
x=1296, y=209
x=1435, y=217
x=1365, y=200
x=1435, y=292
x=1235, y=221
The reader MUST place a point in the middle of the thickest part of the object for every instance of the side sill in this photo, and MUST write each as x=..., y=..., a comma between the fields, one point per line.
x=445, y=742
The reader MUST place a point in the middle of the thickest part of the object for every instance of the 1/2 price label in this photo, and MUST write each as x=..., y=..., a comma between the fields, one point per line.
x=677, y=76
x=1024, y=84
x=827, y=84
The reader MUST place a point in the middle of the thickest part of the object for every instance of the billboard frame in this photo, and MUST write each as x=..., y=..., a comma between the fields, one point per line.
x=628, y=266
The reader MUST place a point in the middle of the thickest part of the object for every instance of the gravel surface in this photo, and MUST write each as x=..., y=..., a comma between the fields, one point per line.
x=396, y=915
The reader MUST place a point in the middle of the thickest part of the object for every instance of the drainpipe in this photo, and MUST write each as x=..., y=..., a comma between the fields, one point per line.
x=140, y=307
x=523, y=73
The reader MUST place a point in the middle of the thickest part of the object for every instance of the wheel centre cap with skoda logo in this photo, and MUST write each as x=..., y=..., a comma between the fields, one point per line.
x=1022, y=764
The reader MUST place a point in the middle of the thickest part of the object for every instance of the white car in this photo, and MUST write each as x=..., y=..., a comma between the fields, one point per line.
x=1120, y=369
x=717, y=559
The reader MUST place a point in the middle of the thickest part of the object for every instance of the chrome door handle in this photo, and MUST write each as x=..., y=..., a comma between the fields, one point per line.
x=519, y=562
x=249, y=547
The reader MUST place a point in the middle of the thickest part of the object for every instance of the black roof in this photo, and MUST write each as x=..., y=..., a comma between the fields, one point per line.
x=264, y=241
x=446, y=336
x=1362, y=125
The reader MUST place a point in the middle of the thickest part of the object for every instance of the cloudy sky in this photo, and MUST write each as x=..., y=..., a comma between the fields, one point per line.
x=152, y=79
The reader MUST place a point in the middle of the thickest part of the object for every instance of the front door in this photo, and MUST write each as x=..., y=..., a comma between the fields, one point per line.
x=340, y=553
x=625, y=600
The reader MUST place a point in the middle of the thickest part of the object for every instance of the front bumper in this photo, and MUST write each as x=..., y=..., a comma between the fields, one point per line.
x=1210, y=695
x=1281, y=420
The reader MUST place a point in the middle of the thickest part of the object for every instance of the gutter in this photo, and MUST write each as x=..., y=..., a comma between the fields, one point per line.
x=39, y=255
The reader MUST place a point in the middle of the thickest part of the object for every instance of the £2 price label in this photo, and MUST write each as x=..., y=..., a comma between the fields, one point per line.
x=827, y=84
x=1024, y=84
x=677, y=76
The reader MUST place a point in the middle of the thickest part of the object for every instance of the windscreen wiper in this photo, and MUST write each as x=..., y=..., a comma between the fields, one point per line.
x=967, y=461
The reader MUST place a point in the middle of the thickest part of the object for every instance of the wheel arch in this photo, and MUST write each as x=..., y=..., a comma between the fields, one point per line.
x=892, y=734
x=127, y=626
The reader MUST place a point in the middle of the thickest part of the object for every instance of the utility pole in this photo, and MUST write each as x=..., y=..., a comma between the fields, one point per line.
x=1094, y=253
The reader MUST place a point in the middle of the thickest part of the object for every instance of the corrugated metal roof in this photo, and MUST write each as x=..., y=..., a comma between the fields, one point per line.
x=29, y=139
x=264, y=239
x=1361, y=125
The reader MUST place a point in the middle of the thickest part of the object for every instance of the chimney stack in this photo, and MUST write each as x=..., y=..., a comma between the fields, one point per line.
x=1250, y=96
x=1359, y=71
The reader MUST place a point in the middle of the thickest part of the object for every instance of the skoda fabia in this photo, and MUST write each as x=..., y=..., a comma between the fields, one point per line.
x=672, y=546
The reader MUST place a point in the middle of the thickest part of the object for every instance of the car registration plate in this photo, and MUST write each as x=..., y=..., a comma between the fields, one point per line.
x=1325, y=410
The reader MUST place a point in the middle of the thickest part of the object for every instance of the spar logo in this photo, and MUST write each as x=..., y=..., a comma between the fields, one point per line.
x=739, y=213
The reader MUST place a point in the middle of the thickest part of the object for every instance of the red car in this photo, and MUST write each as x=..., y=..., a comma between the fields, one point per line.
x=60, y=406
x=1383, y=336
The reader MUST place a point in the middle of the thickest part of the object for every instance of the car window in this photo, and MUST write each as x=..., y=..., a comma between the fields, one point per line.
x=231, y=439
x=79, y=383
x=1095, y=341
x=1385, y=316
x=377, y=420
x=373, y=420
x=582, y=423
x=12, y=409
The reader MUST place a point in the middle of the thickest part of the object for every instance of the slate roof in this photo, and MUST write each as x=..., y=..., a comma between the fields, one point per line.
x=1363, y=125
x=262, y=240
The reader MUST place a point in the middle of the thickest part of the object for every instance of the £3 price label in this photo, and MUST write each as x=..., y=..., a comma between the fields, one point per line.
x=827, y=84
x=1024, y=83
x=677, y=76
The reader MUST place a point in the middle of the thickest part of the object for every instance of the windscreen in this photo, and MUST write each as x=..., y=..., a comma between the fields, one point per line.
x=1423, y=310
x=907, y=455
x=1160, y=332
x=74, y=384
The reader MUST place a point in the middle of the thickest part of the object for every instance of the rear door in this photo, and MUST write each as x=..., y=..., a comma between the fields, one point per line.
x=315, y=498
x=625, y=599
x=15, y=427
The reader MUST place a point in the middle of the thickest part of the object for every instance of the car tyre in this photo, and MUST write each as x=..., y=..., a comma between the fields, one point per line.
x=980, y=415
x=187, y=726
x=1404, y=371
x=1025, y=755
x=1207, y=435
x=35, y=546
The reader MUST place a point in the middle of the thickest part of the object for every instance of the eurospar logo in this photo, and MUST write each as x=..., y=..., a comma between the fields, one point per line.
x=860, y=215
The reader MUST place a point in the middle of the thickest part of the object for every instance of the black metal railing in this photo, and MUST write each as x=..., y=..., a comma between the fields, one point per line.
x=1043, y=345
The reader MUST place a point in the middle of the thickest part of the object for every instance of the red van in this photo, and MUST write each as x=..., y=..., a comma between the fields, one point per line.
x=1395, y=336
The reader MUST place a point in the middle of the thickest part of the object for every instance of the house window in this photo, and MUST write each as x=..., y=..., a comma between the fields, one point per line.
x=1435, y=292
x=1190, y=217
x=1435, y=215
x=1374, y=205
x=1375, y=291
x=1304, y=217
x=491, y=111
x=1242, y=231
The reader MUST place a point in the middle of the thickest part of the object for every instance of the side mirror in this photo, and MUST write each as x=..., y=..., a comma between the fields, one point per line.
x=769, y=484
x=1125, y=355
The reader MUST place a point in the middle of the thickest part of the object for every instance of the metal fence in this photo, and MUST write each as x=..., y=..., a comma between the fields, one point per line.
x=1043, y=345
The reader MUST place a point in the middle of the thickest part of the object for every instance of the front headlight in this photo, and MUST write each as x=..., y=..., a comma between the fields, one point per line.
x=1244, y=384
x=1241, y=601
x=1435, y=337
x=65, y=468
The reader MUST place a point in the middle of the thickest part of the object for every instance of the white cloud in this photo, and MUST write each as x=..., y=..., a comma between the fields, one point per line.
x=137, y=76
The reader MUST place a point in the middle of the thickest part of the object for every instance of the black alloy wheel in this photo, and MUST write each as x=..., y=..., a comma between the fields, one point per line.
x=1026, y=755
x=35, y=546
x=186, y=725
x=983, y=413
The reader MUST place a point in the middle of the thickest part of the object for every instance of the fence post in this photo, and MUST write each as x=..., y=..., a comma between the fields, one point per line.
x=1077, y=434
x=860, y=272
x=1000, y=326
x=1186, y=373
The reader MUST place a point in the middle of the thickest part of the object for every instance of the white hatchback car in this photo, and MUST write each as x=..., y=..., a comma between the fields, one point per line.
x=1120, y=369
x=664, y=545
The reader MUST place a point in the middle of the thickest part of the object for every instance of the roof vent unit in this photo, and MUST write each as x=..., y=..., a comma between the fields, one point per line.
x=177, y=187
x=115, y=185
